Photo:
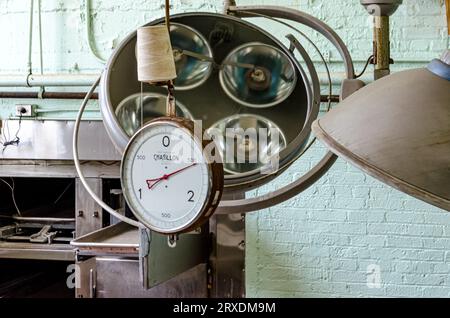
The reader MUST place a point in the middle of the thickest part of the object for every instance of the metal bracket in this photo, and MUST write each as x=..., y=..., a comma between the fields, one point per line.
x=7, y=231
x=92, y=283
x=44, y=235
x=144, y=251
x=172, y=240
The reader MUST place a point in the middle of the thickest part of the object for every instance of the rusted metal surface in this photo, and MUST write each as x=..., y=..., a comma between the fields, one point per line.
x=381, y=46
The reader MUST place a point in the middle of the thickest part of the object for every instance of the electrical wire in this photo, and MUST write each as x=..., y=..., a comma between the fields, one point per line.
x=369, y=60
x=11, y=142
x=12, y=187
x=64, y=191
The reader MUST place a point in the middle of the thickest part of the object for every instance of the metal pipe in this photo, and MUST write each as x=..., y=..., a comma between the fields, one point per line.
x=91, y=45
x=41, y=57
x=72, y=95
x=76, y=161
x=381, y=46
x=30, y=38
x=47, y=80
x=43, y=219
x=86, y=80
x=331, y=98
x=46, y=95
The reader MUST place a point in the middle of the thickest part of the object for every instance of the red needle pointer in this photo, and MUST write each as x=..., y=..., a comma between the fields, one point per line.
x=151, y=183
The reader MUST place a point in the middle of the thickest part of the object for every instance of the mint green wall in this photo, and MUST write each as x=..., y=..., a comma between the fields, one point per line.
x=324, y=241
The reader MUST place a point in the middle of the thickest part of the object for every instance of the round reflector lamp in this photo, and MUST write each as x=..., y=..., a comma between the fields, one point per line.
x=154, y=105
x=242, y=146
x=258, y=75
x=191, y=72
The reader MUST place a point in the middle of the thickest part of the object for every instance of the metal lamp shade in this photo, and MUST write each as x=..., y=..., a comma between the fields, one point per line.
x=129, y=110
x=397, y=130
x=271, y=81
x=191, y=72
x=234, y=142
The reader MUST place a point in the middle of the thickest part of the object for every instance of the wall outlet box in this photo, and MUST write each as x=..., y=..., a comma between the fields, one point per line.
x=26, y=110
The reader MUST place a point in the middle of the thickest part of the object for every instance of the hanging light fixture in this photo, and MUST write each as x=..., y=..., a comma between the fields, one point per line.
x=397, y=130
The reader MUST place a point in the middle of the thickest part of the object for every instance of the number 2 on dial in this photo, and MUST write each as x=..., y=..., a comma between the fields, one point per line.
x=191, y=196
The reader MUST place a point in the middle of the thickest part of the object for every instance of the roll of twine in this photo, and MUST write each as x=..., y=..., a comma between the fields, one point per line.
x=155, y=61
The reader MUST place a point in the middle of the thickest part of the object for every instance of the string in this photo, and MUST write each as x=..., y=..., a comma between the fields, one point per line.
x=155, y=59
x=142, y=104
x=168, y=15
x=171, y=108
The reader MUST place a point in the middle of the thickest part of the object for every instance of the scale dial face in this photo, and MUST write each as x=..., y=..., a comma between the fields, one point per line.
x=165, y=178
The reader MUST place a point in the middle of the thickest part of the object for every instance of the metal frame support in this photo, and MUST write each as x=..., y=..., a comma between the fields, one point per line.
x=381, y=47
x=88, y=213
x=381, y=10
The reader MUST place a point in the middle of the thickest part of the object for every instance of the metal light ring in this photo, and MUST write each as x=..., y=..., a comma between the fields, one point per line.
x=292, y=189
x=256, y=182
x=331, y=36
x=313, y=114
x=210, y=54
x=237, y=206
x=119, y=137
x=78, y=165
x=251, y=180
x=252, y=105
x=316, y=103
x=247, y=180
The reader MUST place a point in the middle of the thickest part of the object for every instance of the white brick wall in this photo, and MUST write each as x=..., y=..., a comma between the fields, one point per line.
x=321, y=243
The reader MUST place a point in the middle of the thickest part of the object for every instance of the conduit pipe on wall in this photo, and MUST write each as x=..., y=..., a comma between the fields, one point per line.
x=30, y=38
x=90, y=41
x=41, y=55
x=47, y=80
x=46, y=95
x=85, y=80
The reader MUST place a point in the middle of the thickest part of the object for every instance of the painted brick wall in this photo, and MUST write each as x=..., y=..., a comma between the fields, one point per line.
x=348, y=235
